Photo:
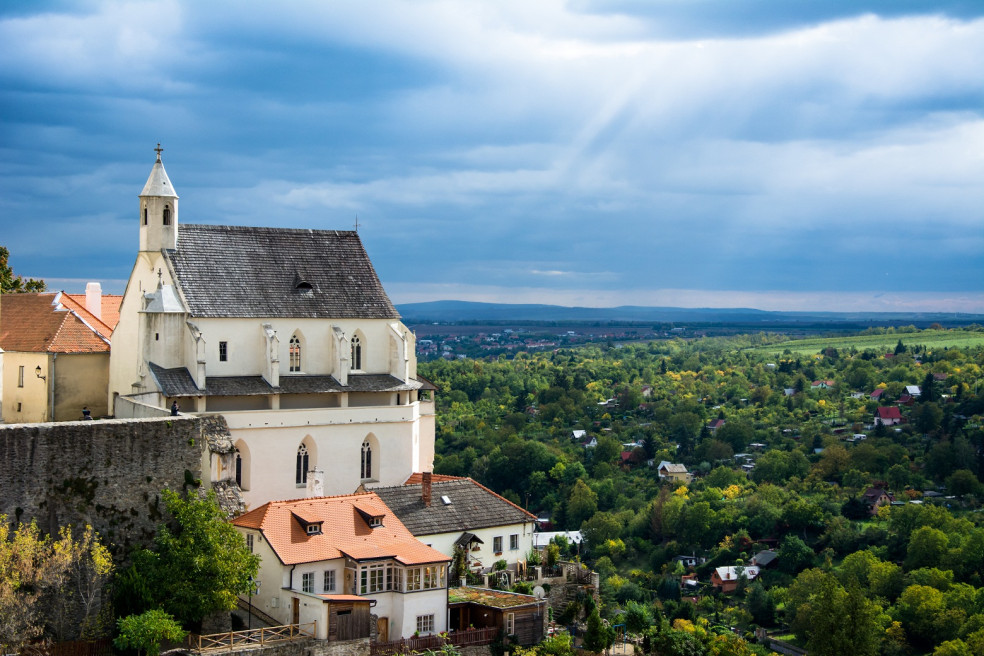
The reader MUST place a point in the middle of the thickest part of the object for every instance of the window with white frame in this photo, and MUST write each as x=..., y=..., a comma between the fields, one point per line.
x=300, y=476
x=307, y=582
x=514, y=542
x=373, y=578
x=249, y=542
x=497, y=544
x=510, y=623
x=329, y=580
x=414, y=579
x=425, y=623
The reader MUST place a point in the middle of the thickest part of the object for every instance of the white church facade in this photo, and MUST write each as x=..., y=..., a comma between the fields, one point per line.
x=286, y=333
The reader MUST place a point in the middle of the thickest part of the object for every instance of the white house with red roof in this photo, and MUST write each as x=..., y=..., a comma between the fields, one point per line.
x=288, y=334
x=343, y=562
x=55, y=359
x=888, y=415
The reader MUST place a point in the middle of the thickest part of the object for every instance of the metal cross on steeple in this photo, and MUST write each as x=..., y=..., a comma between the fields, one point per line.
x=356, y=222
x=158, y=150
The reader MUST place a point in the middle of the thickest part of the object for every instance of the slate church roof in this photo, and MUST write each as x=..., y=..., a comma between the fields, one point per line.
x=472, y=506
x=178, y=382
x=236, y=271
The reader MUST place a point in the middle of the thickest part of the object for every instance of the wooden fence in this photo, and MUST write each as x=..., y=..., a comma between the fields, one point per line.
x=468, y=638
x=250, y=638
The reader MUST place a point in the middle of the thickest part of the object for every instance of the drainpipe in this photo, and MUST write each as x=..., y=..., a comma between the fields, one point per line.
x=290, y=581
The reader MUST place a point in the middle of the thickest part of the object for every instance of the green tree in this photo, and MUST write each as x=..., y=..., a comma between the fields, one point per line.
x=598, y=636
x=196, y=568
x=581, y=505
x=13, y=283
x=146, y=632
x=927, y=547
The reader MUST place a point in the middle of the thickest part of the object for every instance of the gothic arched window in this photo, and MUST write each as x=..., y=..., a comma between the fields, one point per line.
x=239, y=468
x=366, y=460
x=295, y=353
x=167, y=215
x=302, y=466
x=145, y=216
x=356, y=353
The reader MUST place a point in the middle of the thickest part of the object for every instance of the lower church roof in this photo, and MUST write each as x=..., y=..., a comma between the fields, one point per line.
x=178, y=382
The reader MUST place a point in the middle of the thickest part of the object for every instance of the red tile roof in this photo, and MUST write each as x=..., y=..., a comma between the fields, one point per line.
x=888, y=412
x=344, y=531
x=51, y=322
x=109, y=307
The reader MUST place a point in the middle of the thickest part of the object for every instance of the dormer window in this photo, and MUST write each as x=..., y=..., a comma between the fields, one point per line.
x=302, y=286
x=313, y=528
x=375, y=521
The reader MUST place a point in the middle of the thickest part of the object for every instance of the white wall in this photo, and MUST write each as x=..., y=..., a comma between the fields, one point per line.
x=444, y=542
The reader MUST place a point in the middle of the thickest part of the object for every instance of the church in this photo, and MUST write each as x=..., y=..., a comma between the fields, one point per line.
x=288, y=334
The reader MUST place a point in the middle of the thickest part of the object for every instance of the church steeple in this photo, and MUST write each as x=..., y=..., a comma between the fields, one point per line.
x=158, y=210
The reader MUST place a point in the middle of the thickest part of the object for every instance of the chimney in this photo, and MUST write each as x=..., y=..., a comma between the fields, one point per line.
x=425, y=488
x=93, y=299
x=316, y=483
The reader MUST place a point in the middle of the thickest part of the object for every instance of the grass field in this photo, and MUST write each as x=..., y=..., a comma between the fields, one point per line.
x=931, y=339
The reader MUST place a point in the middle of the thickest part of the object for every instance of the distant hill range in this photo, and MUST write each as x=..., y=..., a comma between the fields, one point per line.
x=466, y=311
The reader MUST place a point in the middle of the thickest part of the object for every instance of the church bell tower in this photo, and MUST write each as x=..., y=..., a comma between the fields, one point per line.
x=158, y=210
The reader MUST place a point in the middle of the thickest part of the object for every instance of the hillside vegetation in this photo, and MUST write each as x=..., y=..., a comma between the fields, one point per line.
x=786, y=467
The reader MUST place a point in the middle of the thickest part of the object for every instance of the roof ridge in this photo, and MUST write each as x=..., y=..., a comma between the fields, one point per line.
x=83, y=308
x=516, y=506
x=275, y=228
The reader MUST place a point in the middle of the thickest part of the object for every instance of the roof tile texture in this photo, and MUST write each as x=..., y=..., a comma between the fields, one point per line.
x=345, y=531
x=236, y=271
x=51, y=322
x=473, y=506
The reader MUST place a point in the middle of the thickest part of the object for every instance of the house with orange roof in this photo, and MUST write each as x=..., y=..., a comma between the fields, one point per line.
x=56, y=350
x=288, y=334
x=348, y=564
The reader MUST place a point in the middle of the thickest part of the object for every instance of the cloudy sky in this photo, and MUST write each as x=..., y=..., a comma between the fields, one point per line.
x=697, y=153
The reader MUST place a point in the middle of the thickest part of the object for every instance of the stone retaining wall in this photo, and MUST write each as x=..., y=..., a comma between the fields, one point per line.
x=107, y=473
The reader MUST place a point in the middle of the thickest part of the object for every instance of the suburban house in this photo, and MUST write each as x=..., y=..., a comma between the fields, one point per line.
x=446, y=512
x=888, y=416
x=765, y=559
x=913, y=390
x=726, y=579
x=578, y=434
x=342, y=561
x=518, y=615
x=674, y=471
x=875, y=498
x=715, y=424
x=821, y=384
x=288, y=334
x=876, y=395
x=55, y=354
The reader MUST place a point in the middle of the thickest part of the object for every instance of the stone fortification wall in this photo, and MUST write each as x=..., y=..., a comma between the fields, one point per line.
x=109, y=473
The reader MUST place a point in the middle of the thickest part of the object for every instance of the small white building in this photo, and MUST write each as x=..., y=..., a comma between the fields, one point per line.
x=327, y=559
